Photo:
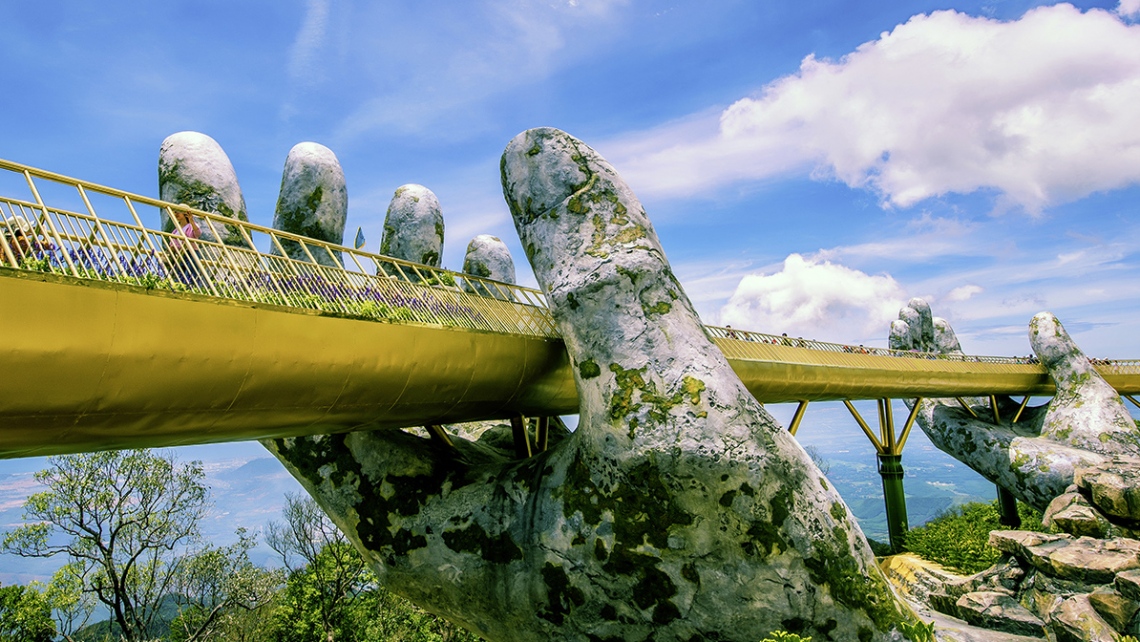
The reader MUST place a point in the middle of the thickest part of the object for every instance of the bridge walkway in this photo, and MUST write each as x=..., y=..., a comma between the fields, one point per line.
x=118, y=335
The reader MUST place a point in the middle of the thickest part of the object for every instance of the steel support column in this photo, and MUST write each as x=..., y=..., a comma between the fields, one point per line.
x=888, y=450
x=1007, y=505
x=891, y=470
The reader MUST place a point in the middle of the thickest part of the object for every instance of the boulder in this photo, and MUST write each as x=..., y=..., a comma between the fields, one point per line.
x=413, y=228
x=313, y=201
x=194, y=170
x=1018, y=543
x=1113, y=487
x=1071, y=513
x=1116, y=609
x=1127, y=583
x=915, y=577
x=1093, y=561
x=1000, y=612
x=1075, y=620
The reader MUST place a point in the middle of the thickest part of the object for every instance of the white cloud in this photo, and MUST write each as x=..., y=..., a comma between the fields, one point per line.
x=964, y=292
x=1040, y=109
x=1128, y=8
x=303, y=54
x=814, y=299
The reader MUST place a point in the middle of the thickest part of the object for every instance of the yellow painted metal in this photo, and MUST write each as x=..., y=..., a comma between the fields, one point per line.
x=863, y=424
x=116, y=335
x=1133, y=400
x=966, y=407
x=1020, y=409
x=906, y=427
x=994, y=407
x=797, y=417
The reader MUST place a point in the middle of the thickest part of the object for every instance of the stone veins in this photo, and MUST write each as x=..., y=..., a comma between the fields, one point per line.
x=1085, y=423
x=678, y=510
x=194, y=170
x=313, y=201
x=413, y=228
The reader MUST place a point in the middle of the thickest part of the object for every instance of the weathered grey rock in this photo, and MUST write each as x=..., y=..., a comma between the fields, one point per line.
x=914, y=577
x=194, y=170
x=1000, y=612
x=413, y=228
x=313, y=201
x=677, y=510
x=1127, y=583
x=1071, y=513
x=1116, y=609
x=1035, y=459
x=1018, y=543
x=488, y=257
x=945, y=341
x=1086, y=412
x=919, y=330
x=1075, y=620
x=1113, y=487
x=1094, y=561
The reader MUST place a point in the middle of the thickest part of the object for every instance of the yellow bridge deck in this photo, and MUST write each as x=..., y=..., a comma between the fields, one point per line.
x=116, y=335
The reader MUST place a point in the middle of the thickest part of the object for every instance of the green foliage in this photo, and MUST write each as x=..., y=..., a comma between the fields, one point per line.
x=124, y=518
x=918, y=631
x=25, y=615
x=959, y=538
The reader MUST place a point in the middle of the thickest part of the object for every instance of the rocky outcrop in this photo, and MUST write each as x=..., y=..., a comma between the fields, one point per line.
x=313, y=201
x=1035, y=459
x=194, y=170
x=1066, y=584
x=413, y=228
x=678, y=509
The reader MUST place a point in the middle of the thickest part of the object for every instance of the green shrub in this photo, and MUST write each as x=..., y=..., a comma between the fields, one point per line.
x=959, y=537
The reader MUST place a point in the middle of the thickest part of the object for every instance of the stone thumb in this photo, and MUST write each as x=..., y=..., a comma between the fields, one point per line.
x=639, y=351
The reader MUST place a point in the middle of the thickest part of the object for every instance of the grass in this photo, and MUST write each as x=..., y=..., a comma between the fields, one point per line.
x=959, y=537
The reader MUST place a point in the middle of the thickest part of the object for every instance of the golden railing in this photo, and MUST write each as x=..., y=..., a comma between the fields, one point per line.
x=244, y=261
x=226, y=261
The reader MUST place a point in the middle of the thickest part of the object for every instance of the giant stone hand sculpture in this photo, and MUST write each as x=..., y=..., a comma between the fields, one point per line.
x=678, y=510
x=1085, y=424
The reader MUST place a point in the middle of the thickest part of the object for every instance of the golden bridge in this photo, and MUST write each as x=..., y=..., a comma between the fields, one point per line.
x=117, y=335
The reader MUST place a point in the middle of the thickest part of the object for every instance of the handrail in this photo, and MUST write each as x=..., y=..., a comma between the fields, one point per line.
x=329, y=278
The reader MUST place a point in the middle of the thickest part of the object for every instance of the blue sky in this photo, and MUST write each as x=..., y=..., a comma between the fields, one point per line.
x=808, y=166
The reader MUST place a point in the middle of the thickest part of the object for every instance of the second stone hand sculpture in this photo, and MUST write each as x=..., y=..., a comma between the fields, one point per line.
x=678, y=510
x=1084, y=425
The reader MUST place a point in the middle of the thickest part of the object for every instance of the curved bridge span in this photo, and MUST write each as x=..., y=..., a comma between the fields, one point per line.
x=117, y=335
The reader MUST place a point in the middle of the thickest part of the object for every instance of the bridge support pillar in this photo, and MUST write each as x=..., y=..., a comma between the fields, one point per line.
x=891, y=470
x=888, y=448
x=1007, y=506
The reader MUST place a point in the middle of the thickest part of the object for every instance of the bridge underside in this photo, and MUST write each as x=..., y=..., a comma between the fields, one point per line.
x=90, y=365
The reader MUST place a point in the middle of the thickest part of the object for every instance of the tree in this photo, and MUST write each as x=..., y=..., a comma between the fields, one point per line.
x=125, y=519
x=327, y=576
x=215, y=585
x=25, y=615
